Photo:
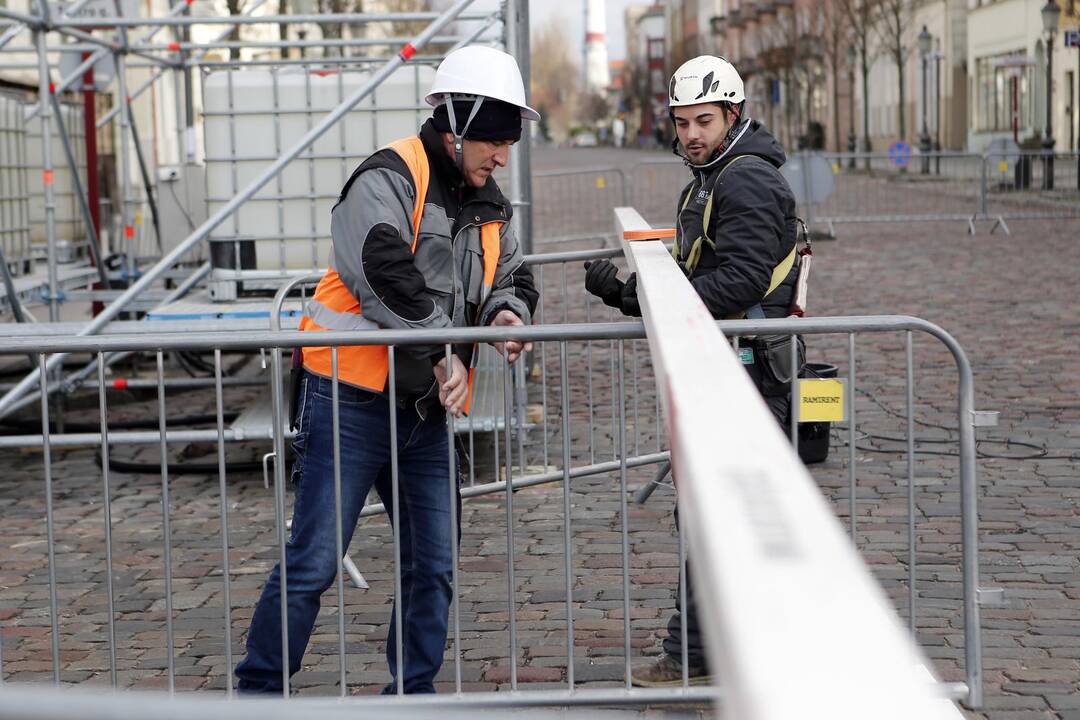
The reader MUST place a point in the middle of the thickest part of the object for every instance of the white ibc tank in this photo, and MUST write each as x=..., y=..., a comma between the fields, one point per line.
x=14, y=203
x=252, y=116
x=69, y=227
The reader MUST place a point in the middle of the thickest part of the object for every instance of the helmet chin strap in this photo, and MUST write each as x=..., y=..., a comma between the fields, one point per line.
x=459, y=137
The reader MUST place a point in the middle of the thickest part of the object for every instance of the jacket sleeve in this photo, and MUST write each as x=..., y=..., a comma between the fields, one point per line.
x=372, y=236
x=748, y=218
x=513, y=288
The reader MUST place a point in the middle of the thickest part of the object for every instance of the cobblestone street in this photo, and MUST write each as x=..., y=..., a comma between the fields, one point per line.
x=1006, y=299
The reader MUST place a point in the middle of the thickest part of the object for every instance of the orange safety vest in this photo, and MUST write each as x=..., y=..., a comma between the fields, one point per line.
x=367, y=366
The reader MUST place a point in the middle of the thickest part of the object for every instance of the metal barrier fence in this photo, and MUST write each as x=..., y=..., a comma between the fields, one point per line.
x=555, y=275
x=860, y=188
x=556, y=614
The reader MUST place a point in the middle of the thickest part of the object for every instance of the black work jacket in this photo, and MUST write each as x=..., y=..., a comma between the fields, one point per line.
x=753, y=225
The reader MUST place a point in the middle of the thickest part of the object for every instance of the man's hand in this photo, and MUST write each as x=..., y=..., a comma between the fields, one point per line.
x=511, y=349
x=453, y=386
x=601, y=279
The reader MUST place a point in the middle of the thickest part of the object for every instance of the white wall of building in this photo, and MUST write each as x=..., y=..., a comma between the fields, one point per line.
x=1014, y=27
x=945, y=21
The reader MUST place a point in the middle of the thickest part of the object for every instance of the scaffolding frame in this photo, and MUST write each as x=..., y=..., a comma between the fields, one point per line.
x=178, y=59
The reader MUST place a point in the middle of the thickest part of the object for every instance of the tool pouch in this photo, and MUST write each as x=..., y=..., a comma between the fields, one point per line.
x=772, y=354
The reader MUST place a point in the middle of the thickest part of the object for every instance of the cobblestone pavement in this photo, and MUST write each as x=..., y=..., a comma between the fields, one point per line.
x=1003, y=297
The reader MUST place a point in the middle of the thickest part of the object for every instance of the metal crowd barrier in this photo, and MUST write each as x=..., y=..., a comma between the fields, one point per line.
x=576, y=205
x=867, y=188
x=523, y=461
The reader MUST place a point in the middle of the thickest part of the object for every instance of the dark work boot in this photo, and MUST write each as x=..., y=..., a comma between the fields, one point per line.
x=666, y=671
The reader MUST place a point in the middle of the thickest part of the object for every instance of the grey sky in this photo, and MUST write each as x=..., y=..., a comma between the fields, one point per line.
x=571, y=15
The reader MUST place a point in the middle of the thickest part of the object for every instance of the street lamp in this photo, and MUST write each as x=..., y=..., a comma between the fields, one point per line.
x=1050, y=14
x=937, y=108
x=851, y=105
x=925, y=41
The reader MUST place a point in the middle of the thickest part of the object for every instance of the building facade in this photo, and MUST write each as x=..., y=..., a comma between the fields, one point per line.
x=646, y=74
x=802, y=65
x=1007, y=55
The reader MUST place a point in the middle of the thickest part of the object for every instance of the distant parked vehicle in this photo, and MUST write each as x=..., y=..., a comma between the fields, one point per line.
x=584, y=139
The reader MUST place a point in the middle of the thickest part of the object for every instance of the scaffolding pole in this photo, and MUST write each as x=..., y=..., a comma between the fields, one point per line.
x=200, y=234
x=48, y=176
x=516, y=31
x=351, y=18
x=123, y=168
x=159, y=72
x=98, y=54
x=84, y=205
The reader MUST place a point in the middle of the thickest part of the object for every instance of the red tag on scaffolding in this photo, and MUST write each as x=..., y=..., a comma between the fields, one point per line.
x=47, y=177
x=407, y=52
x=129, y=232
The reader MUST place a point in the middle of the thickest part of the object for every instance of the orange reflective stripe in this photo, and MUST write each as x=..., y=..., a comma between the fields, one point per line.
x=367, y=366
x=363, y=366
x=491, y=245
x=472, y=376
x=411, y=150
x=332, y=293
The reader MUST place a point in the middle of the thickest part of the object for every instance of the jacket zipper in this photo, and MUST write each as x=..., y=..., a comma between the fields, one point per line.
x=453, y=308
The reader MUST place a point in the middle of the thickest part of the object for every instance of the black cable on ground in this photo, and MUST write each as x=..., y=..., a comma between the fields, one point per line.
x=1041, y=452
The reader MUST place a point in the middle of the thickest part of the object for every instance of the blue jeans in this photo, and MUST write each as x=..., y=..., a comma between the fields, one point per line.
x=311, y=557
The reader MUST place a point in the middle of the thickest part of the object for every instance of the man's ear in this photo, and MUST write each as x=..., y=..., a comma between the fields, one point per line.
x=448, y=143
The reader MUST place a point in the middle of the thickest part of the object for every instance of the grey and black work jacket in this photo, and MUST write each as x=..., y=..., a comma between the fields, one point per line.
x=441, y=284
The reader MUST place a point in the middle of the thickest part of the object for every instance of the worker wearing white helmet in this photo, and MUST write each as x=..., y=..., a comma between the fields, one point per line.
x=736, y=237
x=421, y=239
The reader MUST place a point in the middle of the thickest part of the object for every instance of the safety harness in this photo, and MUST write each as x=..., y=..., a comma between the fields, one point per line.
x=780, y=272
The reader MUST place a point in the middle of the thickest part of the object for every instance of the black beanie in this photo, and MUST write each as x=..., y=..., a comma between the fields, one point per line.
x=495, y=120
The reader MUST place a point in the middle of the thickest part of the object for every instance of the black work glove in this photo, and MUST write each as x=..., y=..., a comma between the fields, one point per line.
x=601, y=279
x=628, y=300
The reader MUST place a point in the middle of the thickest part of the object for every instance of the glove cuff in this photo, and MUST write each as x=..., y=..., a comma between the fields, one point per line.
x=614, y=299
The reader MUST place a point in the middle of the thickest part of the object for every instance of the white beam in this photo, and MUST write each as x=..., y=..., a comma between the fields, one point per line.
x=796, y=625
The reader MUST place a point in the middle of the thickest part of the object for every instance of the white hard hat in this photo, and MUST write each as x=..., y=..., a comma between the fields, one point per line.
x=477, y=70
x=705, y=79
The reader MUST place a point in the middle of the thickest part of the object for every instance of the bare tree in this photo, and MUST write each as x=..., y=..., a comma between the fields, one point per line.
x=833, y=31
x=235, y=7
x=893, y=23
x=636, y=87
x=410, y=27
x=405, y=28
x=783, y=39
x=859, y=15
x=335, y=30
x=283, y=28
x=807, y=58
x=554, y=81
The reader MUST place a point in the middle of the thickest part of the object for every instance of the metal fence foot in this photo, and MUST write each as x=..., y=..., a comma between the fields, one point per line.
x=645, y=491
x=971, y=226
x=354, y=573
x=1000, y=222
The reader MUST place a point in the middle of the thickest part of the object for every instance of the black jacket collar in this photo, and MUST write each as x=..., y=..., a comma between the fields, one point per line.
x=487, y=203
